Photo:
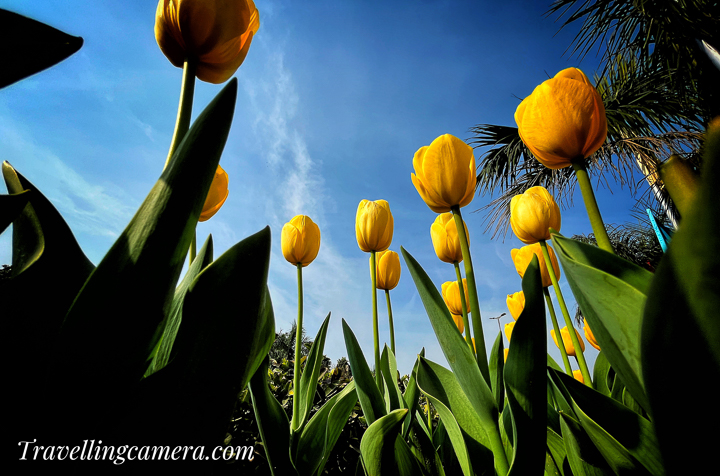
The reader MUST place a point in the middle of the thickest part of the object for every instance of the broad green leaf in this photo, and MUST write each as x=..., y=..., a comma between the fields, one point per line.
x=337, y=420
x=584, y=459
x=611, y=292
x=272, y=422
x=497, y=363
x=458, y=354
x=164, y=352
x=681, y=329
x=381, y=447
x=524, y=376
x=388, y=368
x=556, y=456
x=11, y=206
x=427, y=451
x=116, y=320
x=309, y=378
x=30, y=47
x=602, y=372
x=371, y=400
x=412, y=395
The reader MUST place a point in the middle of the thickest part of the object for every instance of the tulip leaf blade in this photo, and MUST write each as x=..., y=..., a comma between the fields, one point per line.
x=11, y=206
x=583, y=457
x=411, y=396
x=309, y=378
x=611, y=293
x=337, y=421
x=383, y=450
x=525, y=378
x=496, y=366
x=30, y=46
x=388, y=368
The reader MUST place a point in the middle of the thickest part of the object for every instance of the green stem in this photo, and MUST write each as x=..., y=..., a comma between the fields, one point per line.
x=390, y=319
x=556, y=327
x=603, y=240
x=481, y=353
x=466, y=319
x=566, y=315
x=376, y=332
x=193, y=247
x=182, y=123
x=298, y=345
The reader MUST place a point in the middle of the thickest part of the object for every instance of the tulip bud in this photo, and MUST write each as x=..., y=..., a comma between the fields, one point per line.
x=451, y=295
x=508, y=329
x=562, y=120
x=445, y=238
x=506, y=353
x=516, y=304
x=300, y=240
x=445, y=173
x=374, y=225
x=214, y=34
x=216, y=196
x=388, y=269
x=523, y=257
x=567, y=341
x=459, y=322
x=590, y=336
x=532, y=214
x=578, y=376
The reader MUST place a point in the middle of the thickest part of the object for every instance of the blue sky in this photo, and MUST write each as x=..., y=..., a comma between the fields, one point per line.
x=334, y=99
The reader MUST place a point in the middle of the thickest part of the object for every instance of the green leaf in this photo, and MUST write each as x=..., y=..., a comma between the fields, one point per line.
x=584, y=459
x=309, y=378
x=388, y=368
x=272, y=422
x=426, y=450
x=497, y=363
x=384, y=451
x=611, y=293
x=116, y=320
x=30, y=47
x=524, y=376
x=412, y=395
x=371, y=400
x=556, y=456
x=164, y=352
x=681, y=329
x=337, y=420
x=602, y=372
x=11, y=206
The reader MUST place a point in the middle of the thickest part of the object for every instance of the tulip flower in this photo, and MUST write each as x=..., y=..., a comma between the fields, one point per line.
x=578, y=376
x=445, y=238
x=569, y=348
x=300, y=240
x=215, y=35
x=216, y=196
x=451, y=295
x=590, y=336
x=516, y=304
x=388, y=269
x=459, y=322
x=508, y=329
x=522, y=257
x=445, y=173
x=562, y=120
x=532, y=214
x=506, y=353
x=374, y=225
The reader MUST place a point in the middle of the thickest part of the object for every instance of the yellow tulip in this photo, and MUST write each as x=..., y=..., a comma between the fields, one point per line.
x=578, y=376
x=388, y=269
x=451, y=295
x=522, y=257
x=566, y=340
x=374, y=225
x=506, y=353
x=216, y=196
x=509, y=328
x=563, y=119
x=445, y=238
x=300, y=240
x=459, y=322
x=214, y=34
x=590, y=336
x=445, y=173
x=516, y=304
x=532, y=214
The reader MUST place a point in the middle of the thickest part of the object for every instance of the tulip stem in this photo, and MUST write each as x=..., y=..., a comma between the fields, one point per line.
x=298, y=344
x=193, y=247
x=556, y=327
x=376, y=332
x=182, y=124
x=598, y=226
x=390, y=319
x=466, y=319
x=568, y=321
x=480, y=352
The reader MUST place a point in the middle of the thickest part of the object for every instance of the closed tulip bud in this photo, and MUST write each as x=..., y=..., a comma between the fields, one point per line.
x=451, y=295
x=445, y=173
x=374, y=225
x=566, y=340
x=388, y=269
x=516, y=304
x=562, y=120
x=214, y=34
x=216, y=196
x=509, y=328
x=578, y=376
x=300, y=240
x=522, y=257
x=590, y=336
x=532, y=214
x=506, y=353
x=459, y=322
x=445, y=238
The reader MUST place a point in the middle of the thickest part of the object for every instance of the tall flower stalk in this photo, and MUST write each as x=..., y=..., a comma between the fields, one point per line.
x=466, y=319
x=596, y=221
